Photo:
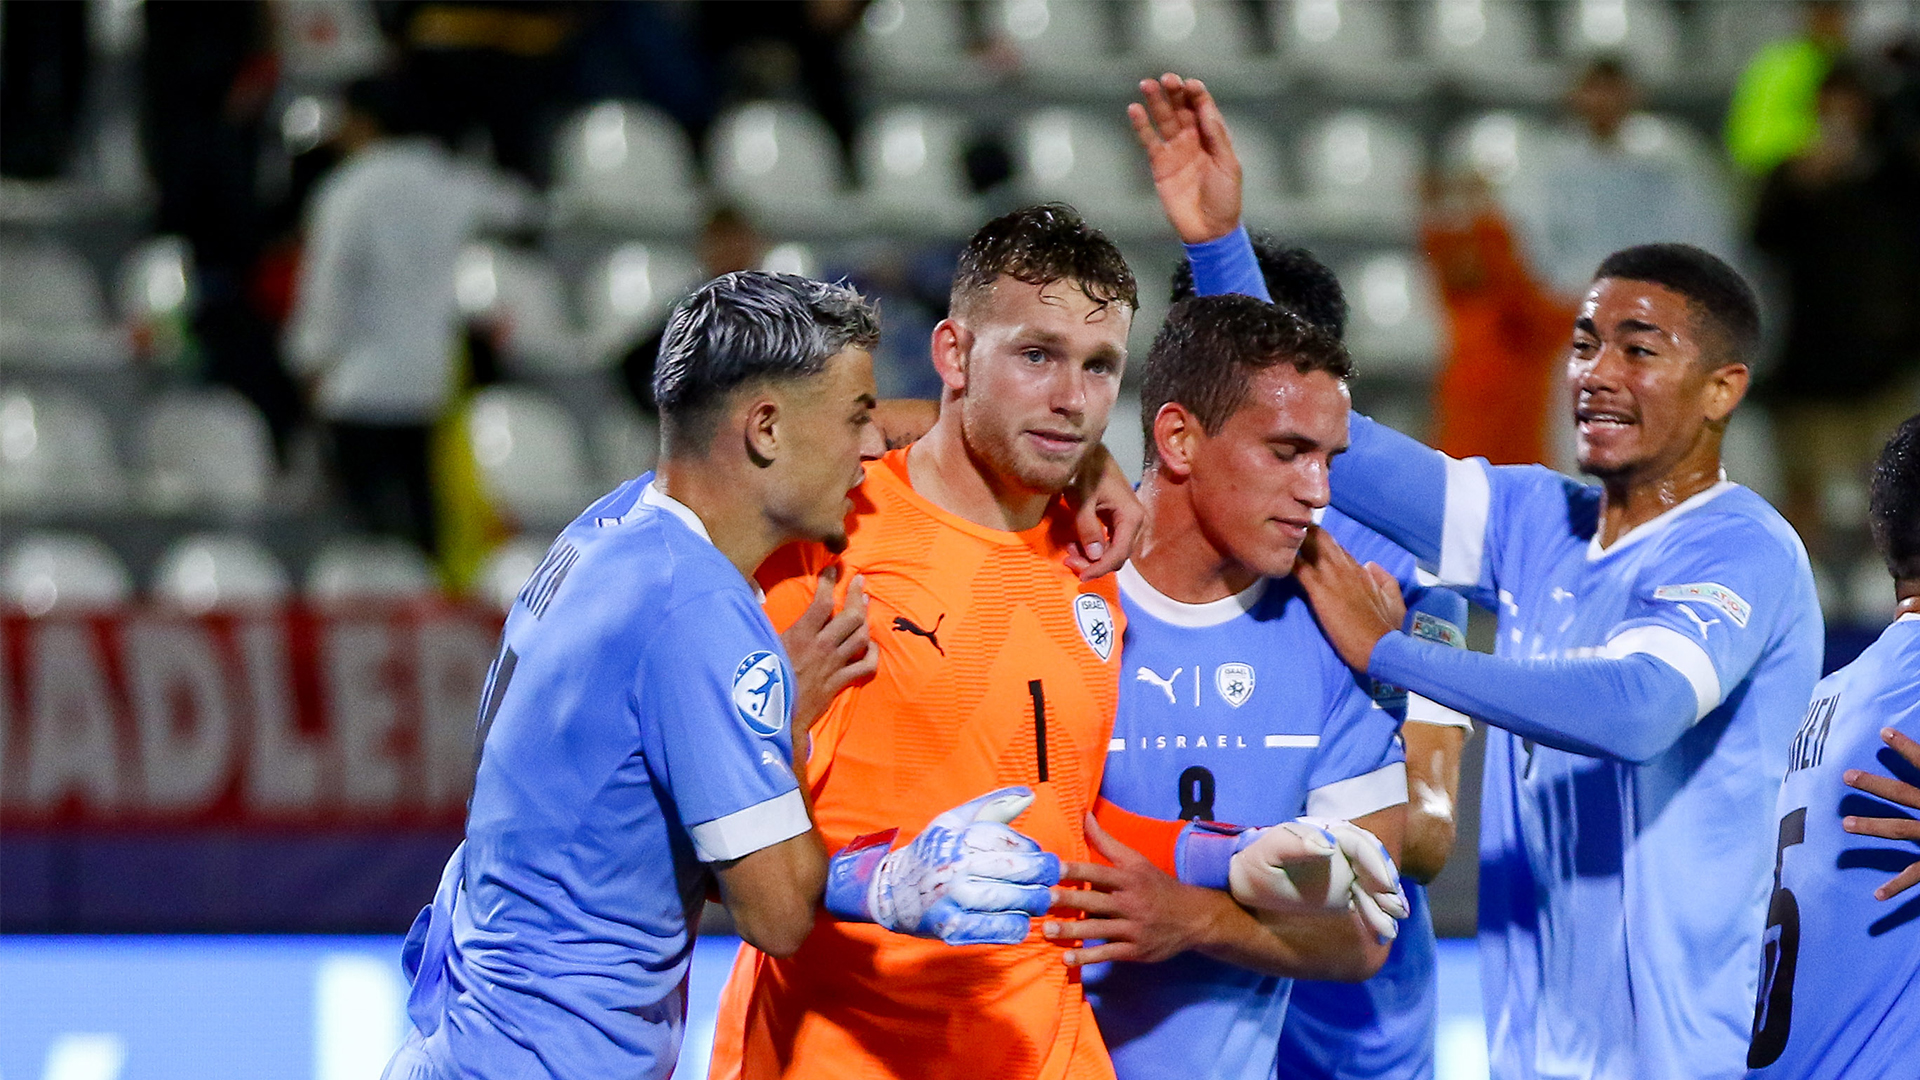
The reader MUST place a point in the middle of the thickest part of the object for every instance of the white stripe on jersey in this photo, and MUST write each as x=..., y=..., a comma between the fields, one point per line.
x=1463, y=534
x=1358, y=796
x=1678, y=652
x=744, y=832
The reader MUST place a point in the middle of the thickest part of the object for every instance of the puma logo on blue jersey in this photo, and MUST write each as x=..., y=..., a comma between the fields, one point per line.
x=1148, y=675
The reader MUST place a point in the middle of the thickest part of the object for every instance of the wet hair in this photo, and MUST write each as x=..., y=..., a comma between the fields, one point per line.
x=1893, y=509
x=1040, y=245
x=1725, y=303
x=1295, y=279
x=1206, y=354
x=747, y=327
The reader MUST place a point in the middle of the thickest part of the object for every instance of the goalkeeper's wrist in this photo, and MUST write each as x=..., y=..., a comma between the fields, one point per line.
x=1203, y=853
x=851, y=874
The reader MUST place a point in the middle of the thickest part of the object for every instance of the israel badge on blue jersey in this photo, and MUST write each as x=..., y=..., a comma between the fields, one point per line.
x=1234, y=682
x=760, y=692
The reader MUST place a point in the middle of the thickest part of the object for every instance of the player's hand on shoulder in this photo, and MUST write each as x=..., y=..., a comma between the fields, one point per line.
x=1356, y=605
x=1891, y=827
x=830, y=650
x=1195, y=169
x=1107, y=516
x=967, y=879
x=1135, y=910
x=1319, y=863
x=902, y=421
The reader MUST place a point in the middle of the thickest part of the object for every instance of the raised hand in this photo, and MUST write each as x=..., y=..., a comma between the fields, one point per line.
x=1195, y=170
x=967, y=879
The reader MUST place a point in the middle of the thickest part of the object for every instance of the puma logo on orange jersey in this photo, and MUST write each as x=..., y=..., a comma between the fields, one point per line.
x=902, y=623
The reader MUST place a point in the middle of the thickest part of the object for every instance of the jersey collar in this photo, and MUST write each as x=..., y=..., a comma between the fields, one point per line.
x=1647, y=528
x=1134, y=587
x=652, y=496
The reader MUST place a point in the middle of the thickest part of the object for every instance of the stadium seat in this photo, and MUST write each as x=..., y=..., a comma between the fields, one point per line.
x=792, y=258
x=1208, y=39
x=626, y=443
x=64, y=572
x=207, y=448
x=1266, y=202
x=156, y=280
x=1361, y=170
x=1595, y=28
x=51, y=313
x=913, y=42
x=532, y=464
x=1340, y=37
x=782, y=164
x=625, y=165
x=358, y=569
x=1498, y=146
x=519, y=294
x=1091, y=161
x=56, y=453
x=211, y=571
x=328, y=41
x=1395, y=325
x=506, y=570
x=628, y=293
x=1062, y=43
x=911, y=171
x=1493, y=43
x=1734, y=30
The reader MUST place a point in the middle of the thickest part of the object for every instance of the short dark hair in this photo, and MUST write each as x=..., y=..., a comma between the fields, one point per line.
x=1042, y=244
x=1206, y=353
x=749, y=326
x=1296, y=279
x=1730, y=312
x=1893, y=510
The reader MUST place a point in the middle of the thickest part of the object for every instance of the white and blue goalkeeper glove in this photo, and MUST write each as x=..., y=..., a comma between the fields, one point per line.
x=968, y=879
x=1306, y=863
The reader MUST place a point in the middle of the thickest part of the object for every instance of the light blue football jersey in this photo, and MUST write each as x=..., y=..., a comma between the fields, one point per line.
x=1840, y=970
x=1236, y=710
x=1597, y=958
x=634, y=728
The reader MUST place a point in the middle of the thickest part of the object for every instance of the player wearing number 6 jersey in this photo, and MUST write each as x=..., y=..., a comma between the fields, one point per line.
x=1840, y=968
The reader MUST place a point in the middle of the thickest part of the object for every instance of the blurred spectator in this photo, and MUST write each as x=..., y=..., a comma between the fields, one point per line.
x=1506, y=335
x=648, y=52
x=1843, y=219
x=496, y=67
x=375, y=321
x=1615, y=178
x=205, y=98
x=1772, y=115
x=43, y=76
x=728, y=242
x=788, y=49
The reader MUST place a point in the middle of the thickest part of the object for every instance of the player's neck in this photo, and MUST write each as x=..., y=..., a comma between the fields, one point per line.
x=1635, y=499
x=1908, y=592
x=1173, y=552
x=945, y=471
x=736, y=526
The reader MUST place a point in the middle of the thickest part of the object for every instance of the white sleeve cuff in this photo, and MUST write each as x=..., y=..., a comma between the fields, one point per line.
x=1358, y=796
x=744, y=832
x=1463, y=534
x=1677, y=651
x=1428, y=711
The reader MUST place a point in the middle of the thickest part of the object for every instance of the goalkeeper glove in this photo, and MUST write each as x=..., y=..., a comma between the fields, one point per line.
x=1304, y=863
x=967, y=879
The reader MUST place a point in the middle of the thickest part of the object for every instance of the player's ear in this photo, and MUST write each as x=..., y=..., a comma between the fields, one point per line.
x=1726, y=386
x=1175, y=433
x=950, y=344
x=761, y=429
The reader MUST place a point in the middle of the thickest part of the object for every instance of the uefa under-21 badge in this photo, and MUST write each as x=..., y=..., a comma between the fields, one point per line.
x=760, y=692
x=1235, y=683
x=1096, y=622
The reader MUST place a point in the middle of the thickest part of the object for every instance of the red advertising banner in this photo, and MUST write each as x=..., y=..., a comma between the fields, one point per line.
x=284, y=717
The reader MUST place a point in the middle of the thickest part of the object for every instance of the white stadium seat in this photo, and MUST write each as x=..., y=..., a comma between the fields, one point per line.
x=521, y=295
x=913, y=41
x=1489, y=42
x=912, y=173
x=1088, y=159
x=532, y=461
x=782, y=163
x=1361, y=168
x=1644, y=31
x=63, y=572
x=1395, y=325
x=51, y=312
x=156, y=280
x=1265, y=199
x=1061, y=42
x=207, y=448
x=625, y=165
x=629, y=292
x=214, y=571
x=1499, y=146
x=1734, y=30
x=358, y=569
x=1346, y=37
x=1207, y=39
x=506, y=571
x=56, y=453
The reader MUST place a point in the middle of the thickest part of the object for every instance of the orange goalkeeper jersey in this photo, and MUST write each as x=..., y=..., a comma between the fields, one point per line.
x=997, y=667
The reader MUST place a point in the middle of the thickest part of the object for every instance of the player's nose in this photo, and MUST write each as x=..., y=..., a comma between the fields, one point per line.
x=873, y=442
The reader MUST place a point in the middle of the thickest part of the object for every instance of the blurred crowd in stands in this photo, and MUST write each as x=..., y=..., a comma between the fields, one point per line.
x=428, y=242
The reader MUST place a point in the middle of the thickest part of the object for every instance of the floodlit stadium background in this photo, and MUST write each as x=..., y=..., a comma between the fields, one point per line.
x=236, y=703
